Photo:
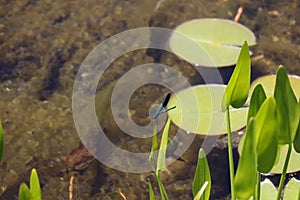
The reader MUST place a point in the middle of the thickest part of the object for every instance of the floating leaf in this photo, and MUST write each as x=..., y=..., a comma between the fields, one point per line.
x=1, y=142
x=202, y=175
x=236, y=92
x=245, y=179
x=288, y=109
x=218, y=41
x=268, y=83
x=294, y=163
x=257, y=99
x=35, y=188
x=267, y=190
x=198, y=110
x=292, y=189
x=24, y=193
x=161, y=159
x=266, y=135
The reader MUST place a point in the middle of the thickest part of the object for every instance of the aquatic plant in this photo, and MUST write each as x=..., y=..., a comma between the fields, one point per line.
x=272, y=127
x=34, y=192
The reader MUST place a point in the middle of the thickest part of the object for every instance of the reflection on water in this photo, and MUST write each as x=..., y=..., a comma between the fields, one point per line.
x=42, y=45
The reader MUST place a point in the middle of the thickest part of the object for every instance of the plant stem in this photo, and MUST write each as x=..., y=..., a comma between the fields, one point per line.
x=230, y=156
x=257, y=191
x=286, y=163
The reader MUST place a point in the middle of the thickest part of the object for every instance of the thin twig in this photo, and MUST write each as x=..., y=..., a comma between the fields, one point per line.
x=71, y=188
x=238, y=14
x=122, y=194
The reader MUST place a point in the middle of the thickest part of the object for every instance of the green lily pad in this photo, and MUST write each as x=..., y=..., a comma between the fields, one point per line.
x=268, y=83
x=198, y=110
x=220, y=40
x=294, y=163
x=292, y=189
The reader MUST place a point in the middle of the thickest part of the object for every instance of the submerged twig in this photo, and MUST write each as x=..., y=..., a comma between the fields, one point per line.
x=71, y=188
x=122, y=194
x=238, y=14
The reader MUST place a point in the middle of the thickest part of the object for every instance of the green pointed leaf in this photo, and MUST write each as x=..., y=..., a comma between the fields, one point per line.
x=162, y=190
x=198, y=110
x=1, y=142
x=287, y=104
x=24, y=193
x=151, y=191
x=161, y=159
x=297, y=137
x=201, y=191
x=292, y=189
x=236, y=92
x=202, y=175
x=35, y=188
x=245, y=179
x=266, y=135
x=257, y=99
x=210, y=42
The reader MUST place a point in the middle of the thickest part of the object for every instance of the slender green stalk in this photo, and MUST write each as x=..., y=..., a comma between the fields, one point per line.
x=257, y=191
x=230, y=156
x=286, y=163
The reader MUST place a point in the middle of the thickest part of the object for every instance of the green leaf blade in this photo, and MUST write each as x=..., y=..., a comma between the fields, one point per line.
x=151, y=191
x=35, y=188
x=237, y=90
x=202, y=175
x=161, y=158
x=245, y=179
x=288, y=116
x=24, y=193
x=267, y=135
x=257, y=98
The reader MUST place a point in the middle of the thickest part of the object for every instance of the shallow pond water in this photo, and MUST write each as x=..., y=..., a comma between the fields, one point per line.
x=42, y=45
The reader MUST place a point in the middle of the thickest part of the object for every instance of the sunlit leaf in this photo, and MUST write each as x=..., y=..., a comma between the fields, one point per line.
x=1, y=142
x=35, y=188
x=268, y=83
x=257, y=99
x=24, y=193
x=292, y=189
x=245, y=179
x=202, y=175
x=236, y=92
x=288, y=109
x=201, y=191
x=217, y=41
x=161, y=159
x=267, y=190
x=198, y=110
x=266, y=135
x=294, y=163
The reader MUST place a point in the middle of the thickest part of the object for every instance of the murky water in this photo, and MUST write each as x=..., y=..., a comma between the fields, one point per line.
x=43, y=43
